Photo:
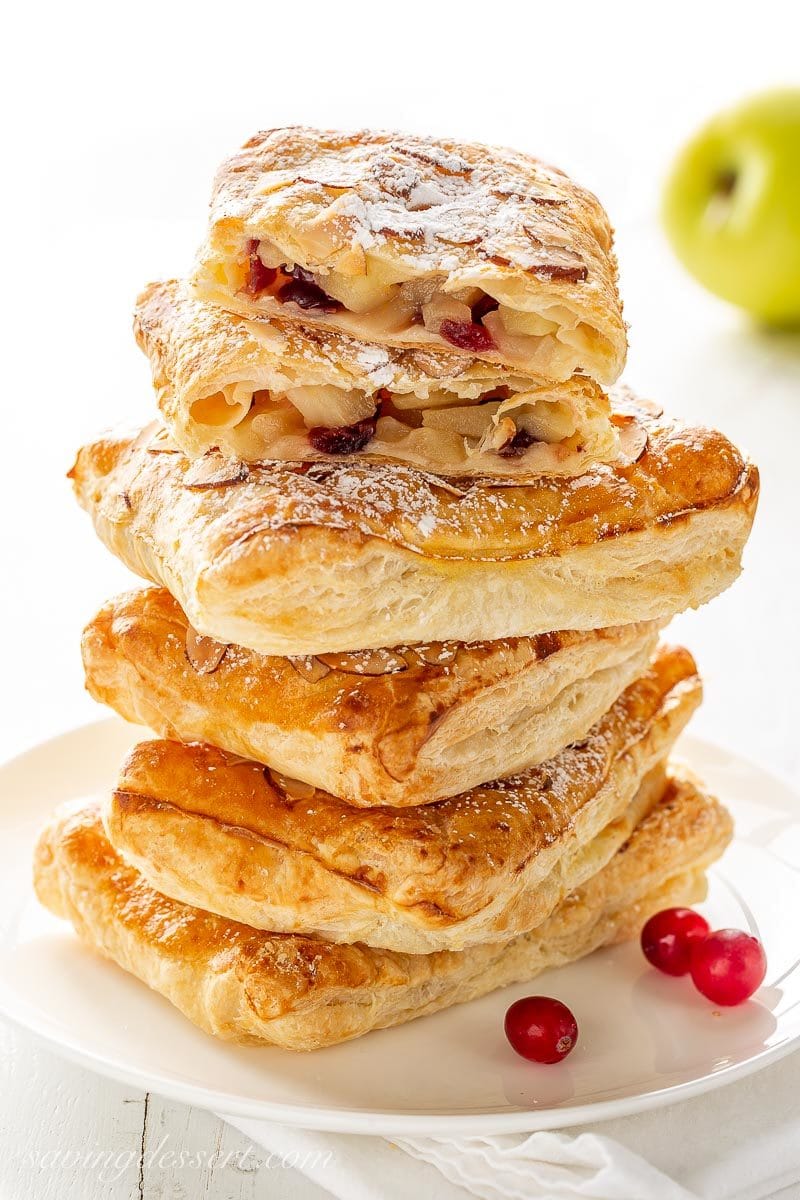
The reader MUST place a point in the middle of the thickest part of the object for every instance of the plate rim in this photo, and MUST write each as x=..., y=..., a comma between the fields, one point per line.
x=382, y=1123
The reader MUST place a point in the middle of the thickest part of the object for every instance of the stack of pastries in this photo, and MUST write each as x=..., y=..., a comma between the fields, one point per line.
x=412, y=556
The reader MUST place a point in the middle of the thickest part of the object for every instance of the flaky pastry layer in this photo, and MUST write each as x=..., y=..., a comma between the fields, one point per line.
x=392, y=727
x=316, y=559
x=412, y=241
x=251, y=986
x=275, y=390
x=226, y=835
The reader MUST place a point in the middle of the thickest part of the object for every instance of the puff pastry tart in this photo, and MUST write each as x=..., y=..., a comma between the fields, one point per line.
x=247, y=985
x=274, y=390
x=392, y=727
x=230, y=836
x=317, y=558
x=411, y=241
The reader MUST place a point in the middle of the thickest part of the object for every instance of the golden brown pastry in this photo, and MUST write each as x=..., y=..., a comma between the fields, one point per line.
x=413, y=241
x=228, y=835
x=301, y=993
x=379, y=727
x=272, y=389
x=313, y=559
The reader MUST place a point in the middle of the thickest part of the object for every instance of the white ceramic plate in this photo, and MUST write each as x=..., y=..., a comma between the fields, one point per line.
x=645, y=1040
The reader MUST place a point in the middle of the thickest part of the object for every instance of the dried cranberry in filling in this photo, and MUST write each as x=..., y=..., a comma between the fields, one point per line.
x=467, y=336
x=298, y=272
x=303, y=291
x=485, y=305
x=346, y=439
x=259, y=277
x=518, y=444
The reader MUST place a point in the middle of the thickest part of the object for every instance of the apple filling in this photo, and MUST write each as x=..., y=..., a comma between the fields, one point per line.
x=499, y=433
x=376, y=304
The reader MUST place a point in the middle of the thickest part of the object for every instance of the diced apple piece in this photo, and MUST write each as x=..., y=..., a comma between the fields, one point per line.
x=583, y=338
x=271, y=256
x=268, y=426
x=329, y=406
x=468, y=295
x=358, y=293
x=545, y=356
x=524, y=324
x=416, y=292
x=405, y=401
x=545, y=420
x=389, y=318
x=443, y=308
x=468, y=421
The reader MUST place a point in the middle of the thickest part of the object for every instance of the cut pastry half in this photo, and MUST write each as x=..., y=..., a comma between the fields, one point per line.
x=301, y=993
x=230, y=836
x=394, y=727
x=300, y=559
x=411, y=241
x=270, y=389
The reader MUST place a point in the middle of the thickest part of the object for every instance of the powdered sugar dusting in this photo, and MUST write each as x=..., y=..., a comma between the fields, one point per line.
x=440, y=204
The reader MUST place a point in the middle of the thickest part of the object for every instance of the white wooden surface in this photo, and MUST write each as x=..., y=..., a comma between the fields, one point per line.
x=114, y=147
x=67, y=1134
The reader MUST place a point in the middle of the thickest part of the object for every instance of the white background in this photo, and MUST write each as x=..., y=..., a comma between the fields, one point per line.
x=116, y=116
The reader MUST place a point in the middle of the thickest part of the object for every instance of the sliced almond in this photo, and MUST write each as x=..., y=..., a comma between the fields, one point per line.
x=440, y=159
x=366, y=662
x=204, y=653
x=632, y=438
x=309, y=668
x=439, y=364
x=336, y=185
x=161, y=442
x=214, y=471
x=238, y=760
x=498, y=435
x=629, y=404
x=437, y=654
x=295, y=788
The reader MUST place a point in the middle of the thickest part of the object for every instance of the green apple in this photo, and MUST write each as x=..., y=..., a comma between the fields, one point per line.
x=732, y=206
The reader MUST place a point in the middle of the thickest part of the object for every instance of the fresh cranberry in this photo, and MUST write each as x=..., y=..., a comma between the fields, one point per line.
x=485, y=305
x=541, y=1029
x=518, y=444
x=467, y=336
x=346, y=439
x=303, y=291
x=728, y=966
x=259, y=277
x=668, y=937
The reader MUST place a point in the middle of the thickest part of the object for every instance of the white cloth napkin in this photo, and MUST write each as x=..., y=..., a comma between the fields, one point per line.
x=741, y=1142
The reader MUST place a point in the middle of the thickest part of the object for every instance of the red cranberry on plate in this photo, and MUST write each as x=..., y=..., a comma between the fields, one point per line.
x=668, y=937
x=541, y=1029
x=728, y=966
